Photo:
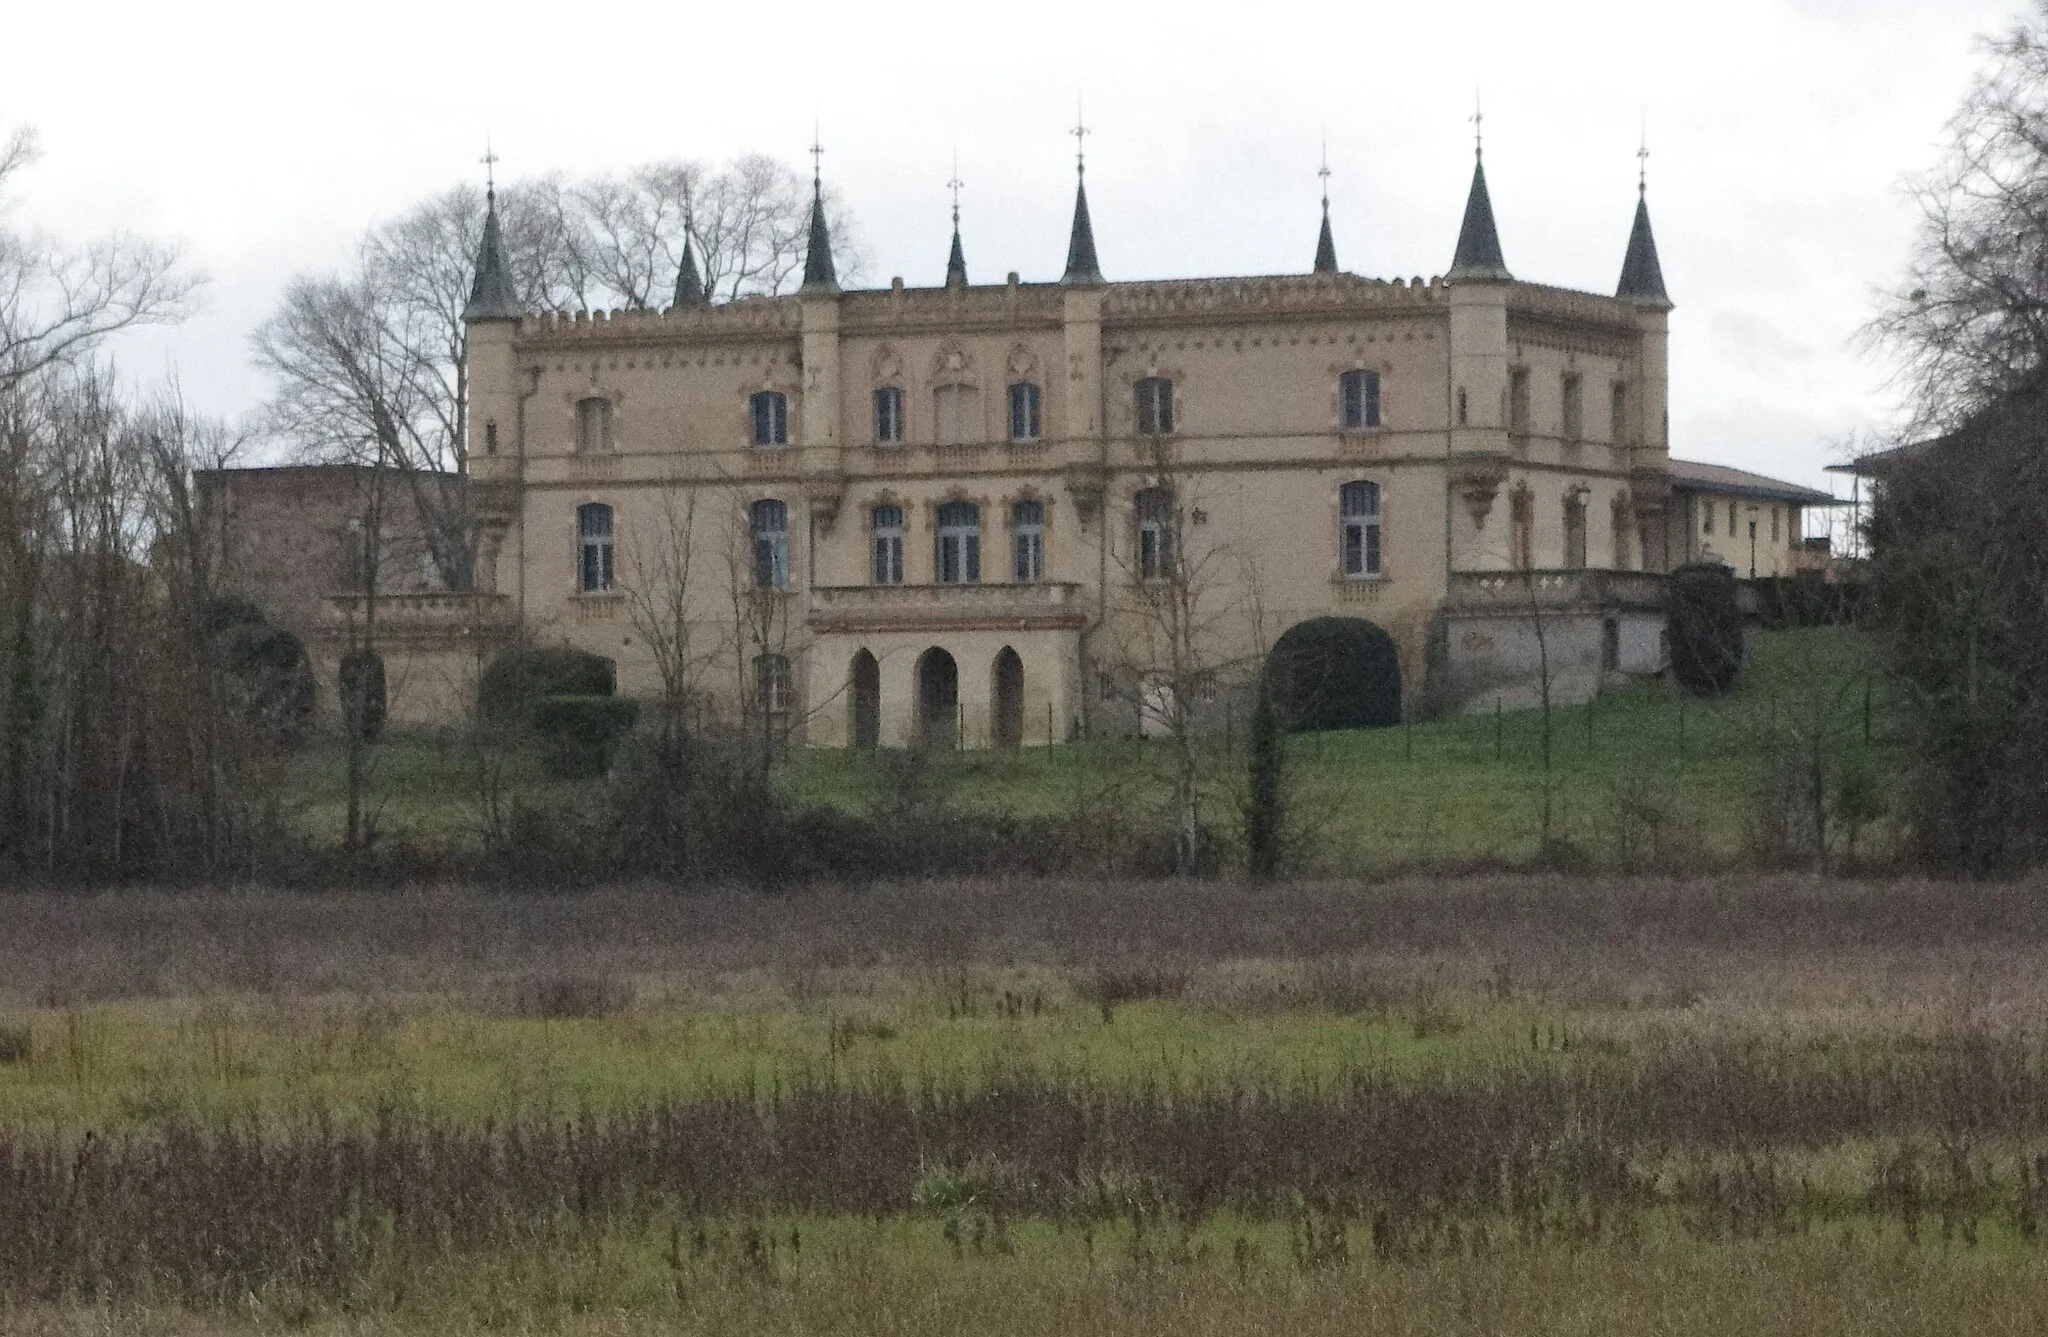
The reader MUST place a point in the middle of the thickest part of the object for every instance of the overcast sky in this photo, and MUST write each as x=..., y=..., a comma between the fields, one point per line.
x=267, y=137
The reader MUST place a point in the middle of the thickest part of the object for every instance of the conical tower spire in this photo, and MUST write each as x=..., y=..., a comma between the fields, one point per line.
x=1478, y=259
x=819, y=274
x=1642, y=278
x=1326, y=245
x=493, y=296
x=956, y=262
x=690, y=292
x=1081, y=263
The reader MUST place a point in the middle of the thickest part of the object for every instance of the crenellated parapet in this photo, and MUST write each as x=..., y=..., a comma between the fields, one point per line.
x=1570, y=307
x=1282, y=294
x=990, y=306
x=748, y=315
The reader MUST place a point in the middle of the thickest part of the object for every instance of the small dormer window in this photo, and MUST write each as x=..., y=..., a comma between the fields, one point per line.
x=1360, y=393
x=1155, y=406
x=771, y=418
x=593, y=425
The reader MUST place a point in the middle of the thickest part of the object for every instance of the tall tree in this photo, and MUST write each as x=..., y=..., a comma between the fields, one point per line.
x=60, y=301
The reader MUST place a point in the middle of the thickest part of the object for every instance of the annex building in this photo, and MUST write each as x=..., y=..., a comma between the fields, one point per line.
x=999, y=513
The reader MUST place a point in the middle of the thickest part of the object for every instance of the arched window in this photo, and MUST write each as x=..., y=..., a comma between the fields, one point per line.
x=1155, y=406
x=1521, y=527
x=1358, y=506
x=772, y=685
x=593, y=424
x=769, y=521
x=1024, y=411
x=1154, y=510
x=887, y=566
x=593, y=547
x=1575, y=529
x=771, y=418
x=889, y=416
x=1027, y=542
x=958, y=560
x=1359, y=392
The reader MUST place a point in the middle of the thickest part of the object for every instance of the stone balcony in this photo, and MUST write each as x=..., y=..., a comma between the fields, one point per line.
x=426, y=617
x=1555, y=591
x=1045, y=606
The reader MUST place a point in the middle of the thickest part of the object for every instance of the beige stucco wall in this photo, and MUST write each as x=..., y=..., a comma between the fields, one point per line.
x=1257, y=456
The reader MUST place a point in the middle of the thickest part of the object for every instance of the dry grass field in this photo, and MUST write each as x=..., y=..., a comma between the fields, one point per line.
x=1485, y=1105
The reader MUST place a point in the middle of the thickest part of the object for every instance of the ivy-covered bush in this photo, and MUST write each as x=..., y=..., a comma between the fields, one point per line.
x=1705, y=620
x=579, y=735
x=1335, y=673
x=514, y=683
x=269, y=676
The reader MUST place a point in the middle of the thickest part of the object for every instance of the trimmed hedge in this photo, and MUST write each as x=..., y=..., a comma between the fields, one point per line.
x=579, y=735
x=1335, y=673
x=1706, y=628
x=517, y=680
x=269, y=675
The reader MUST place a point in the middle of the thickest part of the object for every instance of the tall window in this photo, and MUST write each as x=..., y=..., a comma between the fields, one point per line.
x=491, y=437
x=1732, y=521
x=1573, y=417
x=594, y=547
x=1518, y=400
x=1358, y=506
x=959, y=553
x=1707, y=525
x=1360, y=393
x=1155, y=406
x=772, y=685
x=1024, y=411
x=1154, y=509
x=1575, y=529
x=771, y=418
x=888, y=416
x=887, y=567
x=1774, y=524
x=1027, y=541
x=769, y=521
x=593, y=424
x=1617, y=409
x=1521, y=526
x=958, y=411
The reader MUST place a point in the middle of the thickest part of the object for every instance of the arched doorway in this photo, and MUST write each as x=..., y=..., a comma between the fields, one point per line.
x=1336, y=673
x=864, y=701
x=938, y=699
x=1006, y=690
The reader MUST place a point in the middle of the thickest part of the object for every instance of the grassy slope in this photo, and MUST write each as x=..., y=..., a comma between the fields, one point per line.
x=1640, y=765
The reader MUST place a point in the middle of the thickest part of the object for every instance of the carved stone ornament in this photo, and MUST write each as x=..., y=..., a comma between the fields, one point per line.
x=824, y=491
x=951, y=364
x=888, y=365
x=1086, y=484
x=1479, y=482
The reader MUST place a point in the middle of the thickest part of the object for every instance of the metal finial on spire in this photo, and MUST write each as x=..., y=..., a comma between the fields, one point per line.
x=1478, y=126
x=490, y=162
x=817, y=156
x=954, y=185
x=1324, y=171
x=1080, y=132
x=1643, y=160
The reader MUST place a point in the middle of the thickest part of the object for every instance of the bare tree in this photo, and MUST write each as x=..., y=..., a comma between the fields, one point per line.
x=58, y=302
x=1970, y=320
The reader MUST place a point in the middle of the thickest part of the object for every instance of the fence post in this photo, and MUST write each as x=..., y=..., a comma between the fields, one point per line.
x=1049, y=739
x=1496, y=729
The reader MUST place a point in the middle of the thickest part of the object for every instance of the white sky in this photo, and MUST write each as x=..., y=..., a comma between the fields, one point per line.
x=267, y=137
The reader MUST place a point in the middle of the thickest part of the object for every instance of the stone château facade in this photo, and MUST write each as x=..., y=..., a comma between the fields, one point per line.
x=1014, y=512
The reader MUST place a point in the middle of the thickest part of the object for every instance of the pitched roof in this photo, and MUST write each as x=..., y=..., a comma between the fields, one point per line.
x=1694, y=476
x=689, y=283
x=1478, y=259
x=492, y=296
x=1642, y=278
x=820, y=276
x=1326, y=246
x=1081, y=263
x=956, y=261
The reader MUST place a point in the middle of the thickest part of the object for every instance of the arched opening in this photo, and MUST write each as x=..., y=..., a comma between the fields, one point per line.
x=938, y=699
x=1336, y=673
x=864, y=702
x=1007, y=690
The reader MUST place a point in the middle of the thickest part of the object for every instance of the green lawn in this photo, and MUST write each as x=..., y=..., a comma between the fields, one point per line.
x=1642, y=774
